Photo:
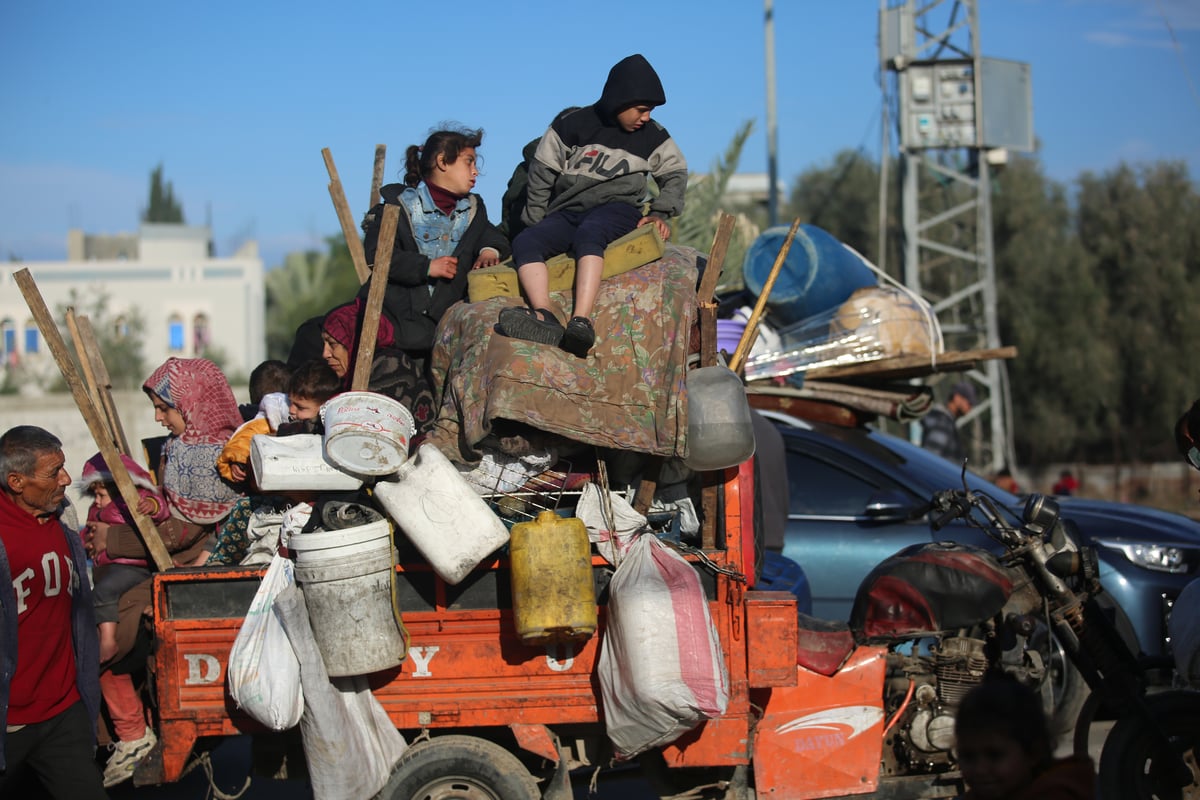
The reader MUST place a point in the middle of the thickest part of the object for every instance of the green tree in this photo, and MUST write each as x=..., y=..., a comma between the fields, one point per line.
x=1051, y=308
x=308, y=284
x=162, y=206
x=1141, y=225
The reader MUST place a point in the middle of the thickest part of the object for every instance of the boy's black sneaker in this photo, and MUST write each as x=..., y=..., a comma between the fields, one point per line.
x=532, y=325
x=579, y=337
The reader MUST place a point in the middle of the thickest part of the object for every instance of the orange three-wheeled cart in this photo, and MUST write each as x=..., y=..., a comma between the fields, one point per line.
x=513, y=720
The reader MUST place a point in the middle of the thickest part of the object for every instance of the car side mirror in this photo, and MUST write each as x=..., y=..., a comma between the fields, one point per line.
x=888, y=505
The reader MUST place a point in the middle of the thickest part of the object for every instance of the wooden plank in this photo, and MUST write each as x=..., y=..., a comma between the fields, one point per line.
x=85, y=364
x=804, y=408
x=645, y=492
x=901, y=367
x=377, y=175
x=91, y=415
x=707, y=318
x=716, y=258
x=365, y=352
x=345, y=218
x=103, y=384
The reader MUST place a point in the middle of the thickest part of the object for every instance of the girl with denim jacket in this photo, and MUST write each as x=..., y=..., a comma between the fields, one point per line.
x=443, y=233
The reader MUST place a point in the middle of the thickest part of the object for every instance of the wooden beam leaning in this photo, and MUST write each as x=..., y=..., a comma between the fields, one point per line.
x=58, y=348
x=365, y=354
x=338, y=195
x=377, y=175
x=716, y=258
x=85, y=364
x=707, y=313
x=103, y=383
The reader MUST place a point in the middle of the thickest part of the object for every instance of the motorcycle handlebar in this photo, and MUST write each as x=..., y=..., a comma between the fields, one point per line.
x=952, y=507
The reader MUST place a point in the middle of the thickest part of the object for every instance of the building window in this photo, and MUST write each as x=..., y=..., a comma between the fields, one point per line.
x=175, y=333
x=201, y=337
x=8, y=340
x=32, y=343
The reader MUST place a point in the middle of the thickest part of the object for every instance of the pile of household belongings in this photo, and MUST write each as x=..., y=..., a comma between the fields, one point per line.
x=836, y=309
x=512, y=415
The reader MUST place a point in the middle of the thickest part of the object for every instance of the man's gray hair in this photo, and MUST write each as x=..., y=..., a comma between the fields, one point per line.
x=22, y=446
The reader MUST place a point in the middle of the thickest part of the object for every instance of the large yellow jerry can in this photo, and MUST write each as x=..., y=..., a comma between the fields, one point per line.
x=554, y=598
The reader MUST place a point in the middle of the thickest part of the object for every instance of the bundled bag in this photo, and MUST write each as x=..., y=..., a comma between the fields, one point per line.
x=661, y=668
x=264, y=673
x=350, y=743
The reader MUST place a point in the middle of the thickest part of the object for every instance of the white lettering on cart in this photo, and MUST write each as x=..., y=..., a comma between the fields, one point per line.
x=421, y=656
x=555, y=657
x=202, y=668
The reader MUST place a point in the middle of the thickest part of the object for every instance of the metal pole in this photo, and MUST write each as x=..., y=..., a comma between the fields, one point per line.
x=772, y=131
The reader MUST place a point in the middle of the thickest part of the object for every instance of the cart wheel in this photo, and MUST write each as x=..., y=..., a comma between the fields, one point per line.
x=459, y=768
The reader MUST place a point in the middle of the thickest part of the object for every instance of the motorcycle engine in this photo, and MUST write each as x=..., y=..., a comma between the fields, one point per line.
x=958, y=665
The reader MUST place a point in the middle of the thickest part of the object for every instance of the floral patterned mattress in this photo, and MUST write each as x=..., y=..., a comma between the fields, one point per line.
x=628, y=394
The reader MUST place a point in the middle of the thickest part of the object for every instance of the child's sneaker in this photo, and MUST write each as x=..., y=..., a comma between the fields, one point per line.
x=126, y=756
x=579, y=337
x=533, y=325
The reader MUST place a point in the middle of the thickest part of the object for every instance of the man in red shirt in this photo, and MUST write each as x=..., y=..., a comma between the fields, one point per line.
x=49, y=655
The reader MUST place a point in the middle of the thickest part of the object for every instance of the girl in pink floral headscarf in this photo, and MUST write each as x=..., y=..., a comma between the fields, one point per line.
x=193, y=401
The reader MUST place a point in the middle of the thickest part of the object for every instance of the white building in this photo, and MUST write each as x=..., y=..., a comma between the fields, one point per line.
x=190, y=302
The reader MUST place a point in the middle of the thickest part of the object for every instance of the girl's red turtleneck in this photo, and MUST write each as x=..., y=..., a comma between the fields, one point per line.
x=445, y=201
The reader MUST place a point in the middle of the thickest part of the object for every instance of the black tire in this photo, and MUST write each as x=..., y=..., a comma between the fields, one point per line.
x=1064, y=690
x=459, y=768
x=1068, y=687
x=1127, y=763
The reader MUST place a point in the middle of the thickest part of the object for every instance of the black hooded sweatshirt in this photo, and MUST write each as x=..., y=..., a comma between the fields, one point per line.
x=586, y=159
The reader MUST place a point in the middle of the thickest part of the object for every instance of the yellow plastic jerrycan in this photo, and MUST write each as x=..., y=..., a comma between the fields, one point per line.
x=554, y=598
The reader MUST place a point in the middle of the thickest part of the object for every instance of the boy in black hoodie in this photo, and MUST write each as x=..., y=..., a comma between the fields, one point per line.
x=587, y=185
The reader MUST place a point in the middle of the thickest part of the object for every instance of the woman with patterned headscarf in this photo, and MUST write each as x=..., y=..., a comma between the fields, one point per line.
x=193, y=401
x=393, y=373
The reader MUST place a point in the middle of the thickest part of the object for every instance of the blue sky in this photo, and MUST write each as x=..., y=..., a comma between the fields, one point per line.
x=236, y=99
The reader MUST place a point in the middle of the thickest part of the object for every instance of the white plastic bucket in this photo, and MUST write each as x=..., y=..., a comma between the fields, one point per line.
x=296, y=463
x=366, y=433
x=350, y=569
x=441, y=514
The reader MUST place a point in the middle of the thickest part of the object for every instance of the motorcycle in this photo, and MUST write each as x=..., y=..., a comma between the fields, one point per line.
x=941, y=617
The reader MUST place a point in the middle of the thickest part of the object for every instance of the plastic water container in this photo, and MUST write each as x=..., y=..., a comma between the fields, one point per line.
x=819, y=272
x=439, y=512
x=553, y=594
x=366, y=433
x=349, y=569
x=720, y=430
x=296, y=463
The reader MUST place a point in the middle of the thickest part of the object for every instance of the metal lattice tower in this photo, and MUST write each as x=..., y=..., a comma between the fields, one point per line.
x=948, y=140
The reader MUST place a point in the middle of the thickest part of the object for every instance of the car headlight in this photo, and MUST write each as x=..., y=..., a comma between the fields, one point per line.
x=1152, y=556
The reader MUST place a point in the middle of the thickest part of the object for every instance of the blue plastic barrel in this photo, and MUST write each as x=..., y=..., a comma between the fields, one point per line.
x=818, y=274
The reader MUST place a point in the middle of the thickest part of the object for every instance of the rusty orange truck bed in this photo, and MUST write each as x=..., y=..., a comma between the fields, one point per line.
x=467, y=672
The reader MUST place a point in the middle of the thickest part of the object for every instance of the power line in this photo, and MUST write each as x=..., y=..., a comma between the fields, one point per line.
x=1178, y=52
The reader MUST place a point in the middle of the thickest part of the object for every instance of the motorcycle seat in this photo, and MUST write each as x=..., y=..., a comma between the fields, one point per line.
x=824, y=645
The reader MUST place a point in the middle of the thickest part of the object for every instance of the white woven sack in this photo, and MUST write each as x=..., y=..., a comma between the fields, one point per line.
x=661, y=668
x=264, y=673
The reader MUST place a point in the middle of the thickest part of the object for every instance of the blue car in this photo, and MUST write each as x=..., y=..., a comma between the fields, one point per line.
x=854, y=491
